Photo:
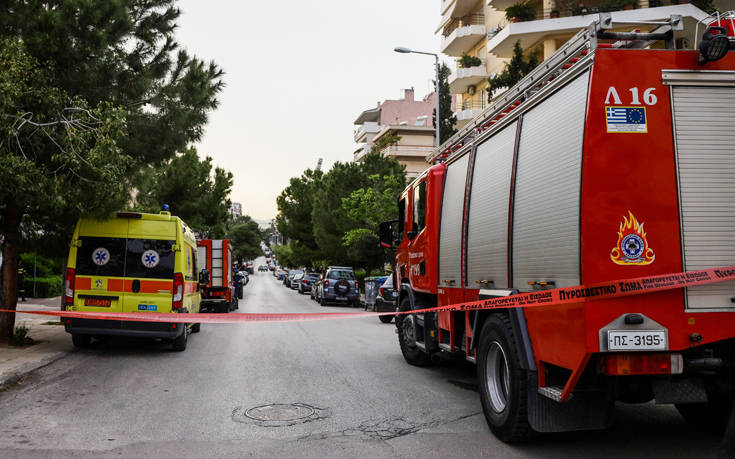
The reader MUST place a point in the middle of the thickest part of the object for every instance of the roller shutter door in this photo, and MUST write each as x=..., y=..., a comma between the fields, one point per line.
x=450, y=236
x=487, y=233
x=548, y=176
x=704, y=122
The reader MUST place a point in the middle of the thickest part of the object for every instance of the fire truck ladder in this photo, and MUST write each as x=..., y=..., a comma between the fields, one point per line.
x=577, y=52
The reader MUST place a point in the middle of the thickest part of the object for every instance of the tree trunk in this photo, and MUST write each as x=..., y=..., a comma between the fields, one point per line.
x=11, y=253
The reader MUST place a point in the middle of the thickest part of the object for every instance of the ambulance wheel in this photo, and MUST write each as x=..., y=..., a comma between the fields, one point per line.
x=81, y=340
x=179, y=343
x=711, y=416
x=385, y=319
x=407, y=339
x=196, y=328
x=503, y=384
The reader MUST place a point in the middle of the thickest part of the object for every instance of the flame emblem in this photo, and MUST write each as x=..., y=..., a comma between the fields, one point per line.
x=632, y=247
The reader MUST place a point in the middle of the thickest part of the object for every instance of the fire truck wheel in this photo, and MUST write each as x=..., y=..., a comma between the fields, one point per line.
x=385, y=319
x=406, y=339
x=503, y=384
x=81, y=340
x=711, y=416
x=179, y=343
x=196, y=328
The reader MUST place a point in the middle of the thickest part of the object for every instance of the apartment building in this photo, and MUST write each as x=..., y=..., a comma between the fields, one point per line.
x=477, y=34
x=408, y=118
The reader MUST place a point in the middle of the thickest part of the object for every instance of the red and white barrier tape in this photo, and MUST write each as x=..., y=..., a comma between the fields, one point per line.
x=552, y=297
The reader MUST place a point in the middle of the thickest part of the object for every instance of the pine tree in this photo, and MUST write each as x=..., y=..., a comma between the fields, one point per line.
x=518, y=67
x=446, y=116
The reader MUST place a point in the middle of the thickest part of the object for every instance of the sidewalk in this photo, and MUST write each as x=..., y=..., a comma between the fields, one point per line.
x=52, y=342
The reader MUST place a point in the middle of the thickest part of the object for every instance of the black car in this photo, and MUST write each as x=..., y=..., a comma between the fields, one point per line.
x=386, y=300
x=307, y=281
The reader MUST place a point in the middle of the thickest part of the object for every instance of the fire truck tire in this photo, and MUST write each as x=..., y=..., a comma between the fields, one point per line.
x=711, y=416
x=81, y=340
x=223, y=307
x=196, y=328
x=386, y=319
x=179, y=343
x=411, y=353
x=503, y=384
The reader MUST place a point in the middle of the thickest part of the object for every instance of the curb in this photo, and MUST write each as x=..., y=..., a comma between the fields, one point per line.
x=15, y=376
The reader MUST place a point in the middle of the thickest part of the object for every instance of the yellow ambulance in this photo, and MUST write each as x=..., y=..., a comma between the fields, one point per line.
x=132, y=262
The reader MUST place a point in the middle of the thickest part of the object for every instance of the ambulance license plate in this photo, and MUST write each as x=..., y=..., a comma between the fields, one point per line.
x=102, y=302
x=639, y=340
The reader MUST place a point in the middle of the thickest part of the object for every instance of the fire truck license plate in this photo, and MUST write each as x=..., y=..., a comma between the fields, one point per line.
x=644, y=340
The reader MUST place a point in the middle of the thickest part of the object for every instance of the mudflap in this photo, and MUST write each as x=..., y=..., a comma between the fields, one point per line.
x=593, y=410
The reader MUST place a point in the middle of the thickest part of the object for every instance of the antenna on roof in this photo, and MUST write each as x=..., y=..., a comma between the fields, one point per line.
x=319, y=164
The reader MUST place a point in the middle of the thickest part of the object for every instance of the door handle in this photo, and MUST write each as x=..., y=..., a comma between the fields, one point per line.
x=136, y=286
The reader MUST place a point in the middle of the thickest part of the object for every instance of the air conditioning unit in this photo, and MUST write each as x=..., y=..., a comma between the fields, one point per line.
x=471, y=89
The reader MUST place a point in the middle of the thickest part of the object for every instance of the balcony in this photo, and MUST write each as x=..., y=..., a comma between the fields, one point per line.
x=366, y=131
x=469, y=110
x=361, y=152
x=531, y=33
x=464, y=77
x=408, y=150
x=461, y=34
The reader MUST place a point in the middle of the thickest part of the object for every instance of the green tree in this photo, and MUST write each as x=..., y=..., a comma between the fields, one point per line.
x=122, y=51
x=109, y=78
x=447, y=120
x=294, y=219
x=245, y=236
x=518, y=67
x=60, y=158
x=193, y=191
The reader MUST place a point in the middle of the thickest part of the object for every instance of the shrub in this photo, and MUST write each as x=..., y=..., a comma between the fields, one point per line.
x=523, y=11
x=20, y=336
x=46, y=287
x=467, y=61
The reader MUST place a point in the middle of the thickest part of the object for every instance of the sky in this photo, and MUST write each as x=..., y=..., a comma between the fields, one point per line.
x=298, y=73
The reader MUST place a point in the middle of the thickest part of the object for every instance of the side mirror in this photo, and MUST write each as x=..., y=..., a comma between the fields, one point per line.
x=411, y=235
x=386, y=234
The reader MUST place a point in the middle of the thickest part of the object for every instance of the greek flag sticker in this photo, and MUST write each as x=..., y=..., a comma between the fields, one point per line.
x=626, y=119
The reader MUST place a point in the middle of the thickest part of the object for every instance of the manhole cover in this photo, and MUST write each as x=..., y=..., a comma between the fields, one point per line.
x=280, y=412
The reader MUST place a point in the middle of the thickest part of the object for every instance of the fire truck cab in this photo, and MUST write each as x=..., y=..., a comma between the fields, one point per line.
x=606, y=162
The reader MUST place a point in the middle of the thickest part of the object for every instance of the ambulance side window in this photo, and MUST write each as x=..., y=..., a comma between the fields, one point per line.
x=194, y=269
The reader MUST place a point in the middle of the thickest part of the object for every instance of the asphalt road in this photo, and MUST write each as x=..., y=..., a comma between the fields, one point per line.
x=345, y=380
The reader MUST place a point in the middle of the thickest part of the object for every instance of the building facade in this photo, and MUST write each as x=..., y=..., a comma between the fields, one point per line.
x=479, y=36
x=408, y=118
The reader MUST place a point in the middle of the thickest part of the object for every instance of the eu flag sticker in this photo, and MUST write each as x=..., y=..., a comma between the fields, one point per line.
x=626, y=119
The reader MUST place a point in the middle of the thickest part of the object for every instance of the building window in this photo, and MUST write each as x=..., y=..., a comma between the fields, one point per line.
x=421, y=120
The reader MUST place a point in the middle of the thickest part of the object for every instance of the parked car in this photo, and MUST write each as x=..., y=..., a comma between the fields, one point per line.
x=296, y=280
x=291, y=274
x=315, y=286
x=282, y=274
x=386, y=300
x=339, y=285
x=306, y=281
x=262, y=268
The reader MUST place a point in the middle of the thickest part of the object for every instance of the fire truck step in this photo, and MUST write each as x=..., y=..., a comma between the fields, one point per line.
x=552, y=392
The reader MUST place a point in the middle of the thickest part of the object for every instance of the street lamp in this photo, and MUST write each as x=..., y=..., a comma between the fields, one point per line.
x=401, y=49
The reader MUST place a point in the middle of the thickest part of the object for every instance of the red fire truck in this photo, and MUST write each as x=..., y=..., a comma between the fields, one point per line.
x=614, y=159
x=219, y=293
